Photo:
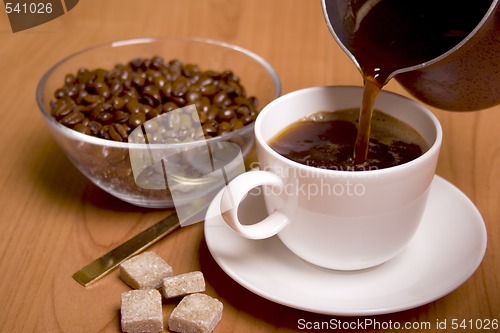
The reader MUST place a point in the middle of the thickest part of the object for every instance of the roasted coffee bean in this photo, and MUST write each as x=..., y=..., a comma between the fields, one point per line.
x=175, y=65
x=203, y=117
x=213, y=74
x=247, y=119
x=97, y=110
x=213, y=112
x=84, y=76
x=221, y=98
x=72, y=118
x=115, y=88
x=224, y=127
x=179, y=101
x=242, y=110
x=202, y=104
x=94, y=127
x=132, y=106
x=226, y=114
x=180, y=87
x=190, y=70
x=114, y=134
x=229, y=76
x=136, y=64
x=192, y=96
x=185, y=121
x=61, y=108
x=85, y=109
x=82, y=128
x=205, y=80
x=169, y=106
x=208, y=90
x=130, y=92
x=117, y=102
x=72, y=91
x=237, y=88
x=150, y=75
x=102, y=90
x=152, y=113
x=236, y=124
x=69, y=79
x=120, y=116
x=88, y=99
x=153, y=95
x=253, y=101
x=111, y=103
x=137, y=119
x=107, y=107
x=159, y=81
x=105, y=117
x=104, y=133
x=138, y=79
x=210, y=128
x=117, y=132
x=149, y=111
x=242, y=101
x=60, y=93
x=156, y=63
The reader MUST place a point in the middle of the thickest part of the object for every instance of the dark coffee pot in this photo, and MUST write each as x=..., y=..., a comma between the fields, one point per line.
x=464, y=78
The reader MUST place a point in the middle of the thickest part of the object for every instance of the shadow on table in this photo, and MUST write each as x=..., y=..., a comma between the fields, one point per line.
x=280, y=316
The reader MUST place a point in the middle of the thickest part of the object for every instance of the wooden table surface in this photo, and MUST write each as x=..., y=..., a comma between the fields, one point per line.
x=53, y=220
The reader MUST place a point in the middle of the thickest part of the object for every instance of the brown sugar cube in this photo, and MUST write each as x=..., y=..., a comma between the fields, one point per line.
x=183, y=284
x=141, y=311
x=196, y=313
x=145, y=271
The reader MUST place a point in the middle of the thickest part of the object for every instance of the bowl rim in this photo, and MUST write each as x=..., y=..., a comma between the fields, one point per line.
x=69, y=132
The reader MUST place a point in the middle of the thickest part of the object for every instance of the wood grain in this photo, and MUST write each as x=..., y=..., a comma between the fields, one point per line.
x=53, y=221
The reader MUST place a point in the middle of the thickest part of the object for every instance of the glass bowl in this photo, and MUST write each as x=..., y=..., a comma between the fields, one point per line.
x=107, y=163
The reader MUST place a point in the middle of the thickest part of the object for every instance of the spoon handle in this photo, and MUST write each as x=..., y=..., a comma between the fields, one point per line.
x=105, y=264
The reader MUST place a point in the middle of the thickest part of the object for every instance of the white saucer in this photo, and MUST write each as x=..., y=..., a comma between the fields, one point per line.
x=445, y=252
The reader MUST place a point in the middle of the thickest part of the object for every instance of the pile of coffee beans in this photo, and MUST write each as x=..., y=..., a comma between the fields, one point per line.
x=110, y=104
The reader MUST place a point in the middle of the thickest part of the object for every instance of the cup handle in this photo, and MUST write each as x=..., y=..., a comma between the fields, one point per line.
x=234, y=193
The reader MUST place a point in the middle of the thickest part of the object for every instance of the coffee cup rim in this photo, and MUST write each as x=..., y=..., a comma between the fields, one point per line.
x=434, y=146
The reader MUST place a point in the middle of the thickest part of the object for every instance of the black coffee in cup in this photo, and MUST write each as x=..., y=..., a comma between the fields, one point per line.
x=326, y=140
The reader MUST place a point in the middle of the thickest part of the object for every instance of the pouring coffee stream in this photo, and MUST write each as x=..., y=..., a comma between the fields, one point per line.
x=370, y=93
x=445, y=53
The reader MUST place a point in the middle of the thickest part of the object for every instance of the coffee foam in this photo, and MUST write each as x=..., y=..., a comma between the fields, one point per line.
x=384, y=128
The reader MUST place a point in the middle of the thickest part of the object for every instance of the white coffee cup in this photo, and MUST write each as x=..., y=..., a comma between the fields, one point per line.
x=343, y=220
